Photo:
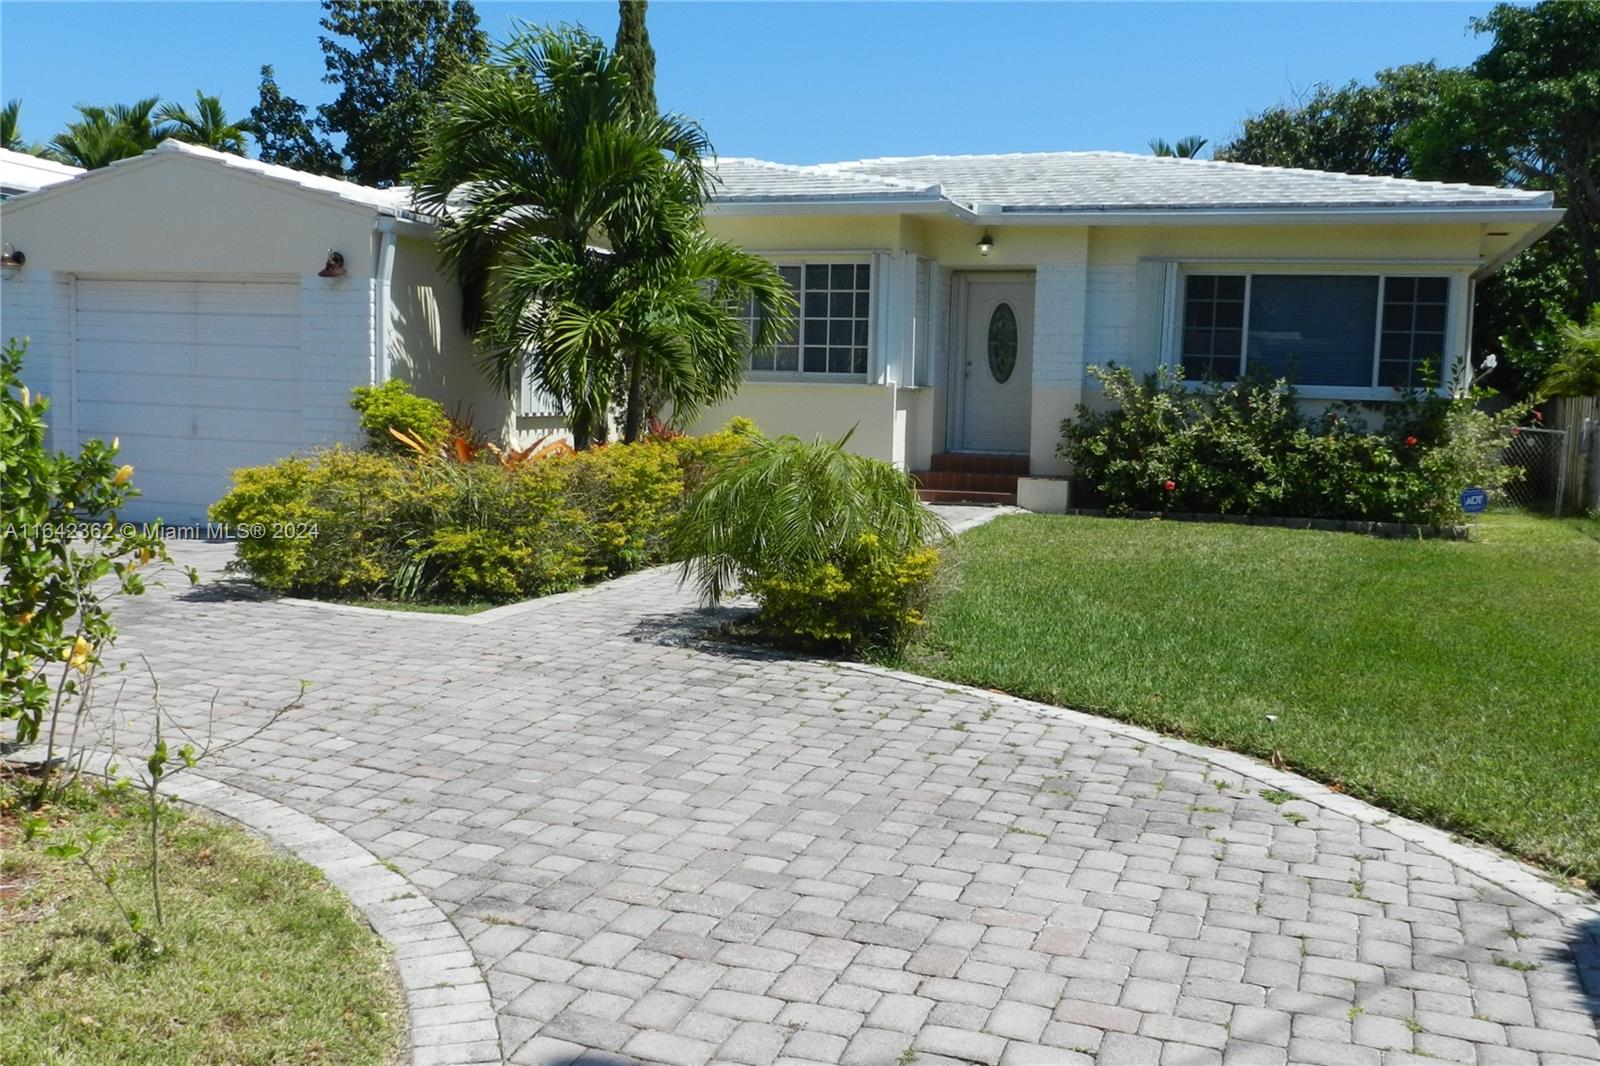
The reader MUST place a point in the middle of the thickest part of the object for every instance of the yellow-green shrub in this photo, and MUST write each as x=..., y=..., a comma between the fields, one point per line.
x=393, y=405
x=317, y=523
x=359, y=523
x=875, y=598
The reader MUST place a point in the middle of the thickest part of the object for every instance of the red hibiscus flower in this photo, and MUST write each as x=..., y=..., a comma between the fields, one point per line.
x=1168, y=485
x=1411, y=442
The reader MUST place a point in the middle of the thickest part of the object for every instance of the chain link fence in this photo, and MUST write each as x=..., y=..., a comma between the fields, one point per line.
x=1541, y=457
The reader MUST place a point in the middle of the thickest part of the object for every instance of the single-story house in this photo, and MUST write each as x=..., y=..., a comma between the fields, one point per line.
x=214, y=311
x=954, y=304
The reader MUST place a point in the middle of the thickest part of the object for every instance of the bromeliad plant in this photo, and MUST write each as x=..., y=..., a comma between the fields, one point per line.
x=60, y=543
x=835, y=547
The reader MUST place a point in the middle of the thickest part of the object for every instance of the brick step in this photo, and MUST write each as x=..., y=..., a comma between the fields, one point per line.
x=974, y=463
x=956, y=479
x=997, y=499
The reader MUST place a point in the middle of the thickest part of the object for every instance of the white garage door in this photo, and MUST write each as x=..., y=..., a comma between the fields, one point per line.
x=196, y=377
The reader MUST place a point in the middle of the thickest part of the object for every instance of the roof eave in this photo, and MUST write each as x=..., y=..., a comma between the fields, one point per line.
x=1268, y=216
x=855, y=205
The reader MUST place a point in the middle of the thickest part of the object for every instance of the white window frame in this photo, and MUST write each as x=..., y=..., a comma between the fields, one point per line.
x=1248, y=271
x=800, y=375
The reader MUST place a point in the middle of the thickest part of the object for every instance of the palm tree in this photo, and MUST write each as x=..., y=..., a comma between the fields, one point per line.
x=106, y=134
x=1577, y=371
x=573, y=225
x=207, y=125
x=1185, y=148
x=11, y=132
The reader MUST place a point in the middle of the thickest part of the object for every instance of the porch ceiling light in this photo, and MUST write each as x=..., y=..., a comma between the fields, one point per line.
x=334, y=267
x=985, y=244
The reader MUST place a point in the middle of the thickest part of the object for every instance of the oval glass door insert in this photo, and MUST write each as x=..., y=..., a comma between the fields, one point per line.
x=1002, y=343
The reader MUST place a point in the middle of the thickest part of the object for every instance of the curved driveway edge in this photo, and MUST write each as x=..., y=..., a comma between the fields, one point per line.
x=1527, y=881
x=451, y=1019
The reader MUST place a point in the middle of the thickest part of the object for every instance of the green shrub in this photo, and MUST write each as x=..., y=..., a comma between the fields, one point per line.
x=1245, y=449
x=392, y=405
x=321, y=523
x=353, y=524
x=834, y=546
x=868, y=598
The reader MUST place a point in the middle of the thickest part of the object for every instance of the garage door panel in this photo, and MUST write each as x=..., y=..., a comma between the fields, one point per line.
x=197, y=378
x=176, y=392
x=203, y=331
x=203, y=433
x=136, y=296
x=135, y=358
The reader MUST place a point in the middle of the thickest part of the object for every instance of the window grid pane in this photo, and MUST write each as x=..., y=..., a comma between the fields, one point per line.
x=830, y=334
x=1414, y=314
x=1213, y=325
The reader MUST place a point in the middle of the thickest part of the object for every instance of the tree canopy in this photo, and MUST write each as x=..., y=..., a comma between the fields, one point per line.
x=283, y=131
x=1525, y=114
x=638, y=59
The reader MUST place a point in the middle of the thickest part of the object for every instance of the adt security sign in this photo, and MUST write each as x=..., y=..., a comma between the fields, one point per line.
x=1474, y=501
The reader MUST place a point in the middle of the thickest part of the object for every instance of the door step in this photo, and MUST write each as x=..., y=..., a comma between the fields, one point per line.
x=965, y=477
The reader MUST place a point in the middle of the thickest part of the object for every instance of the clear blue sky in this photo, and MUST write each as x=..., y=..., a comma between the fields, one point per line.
x=803, y=82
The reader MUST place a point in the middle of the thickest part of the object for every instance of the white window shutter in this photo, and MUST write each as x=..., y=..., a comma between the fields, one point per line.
x=1154, y=285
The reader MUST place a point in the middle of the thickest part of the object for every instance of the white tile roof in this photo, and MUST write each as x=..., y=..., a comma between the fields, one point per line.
x=1099, y=181
x=754, y=180
x=395, y=201
x=24, y=172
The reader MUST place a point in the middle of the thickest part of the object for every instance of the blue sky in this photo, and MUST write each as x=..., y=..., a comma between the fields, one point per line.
x=803, y=82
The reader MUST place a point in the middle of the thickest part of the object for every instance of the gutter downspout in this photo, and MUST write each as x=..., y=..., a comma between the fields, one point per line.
x=383, y=278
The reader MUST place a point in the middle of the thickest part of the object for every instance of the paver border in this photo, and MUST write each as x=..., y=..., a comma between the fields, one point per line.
x=450, y=1017
x=1530, y=882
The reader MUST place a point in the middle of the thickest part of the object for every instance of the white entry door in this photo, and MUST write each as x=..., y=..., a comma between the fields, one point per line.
x=997, y=363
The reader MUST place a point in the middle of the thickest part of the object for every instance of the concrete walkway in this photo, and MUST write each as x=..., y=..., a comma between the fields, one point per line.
x=666, y=853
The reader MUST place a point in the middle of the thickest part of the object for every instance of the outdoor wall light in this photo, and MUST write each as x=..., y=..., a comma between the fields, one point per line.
x=11, y=261
x=985, y=244
x=334, y=267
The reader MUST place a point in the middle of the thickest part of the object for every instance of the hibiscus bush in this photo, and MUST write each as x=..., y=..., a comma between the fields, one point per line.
x=1246, y=449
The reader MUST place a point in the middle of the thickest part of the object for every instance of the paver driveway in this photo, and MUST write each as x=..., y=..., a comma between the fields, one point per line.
x=678, y=855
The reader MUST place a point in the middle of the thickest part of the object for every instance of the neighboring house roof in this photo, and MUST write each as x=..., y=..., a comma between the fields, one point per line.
x=395, y=201
x=1058, y=183
x=21, y=173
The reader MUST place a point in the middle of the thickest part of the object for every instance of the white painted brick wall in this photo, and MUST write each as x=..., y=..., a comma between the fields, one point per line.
x=38, y=306
x=1110, y=325
x=1060, y=308
x=336, y=346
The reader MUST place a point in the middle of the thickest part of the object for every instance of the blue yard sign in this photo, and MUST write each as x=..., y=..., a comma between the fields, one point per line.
x=1474, y=501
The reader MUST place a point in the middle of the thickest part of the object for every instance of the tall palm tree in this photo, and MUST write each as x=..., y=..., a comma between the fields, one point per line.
x=106, y=134
x=11, y=131
x=1185, y=147
x=573, y=225
x=207, y=125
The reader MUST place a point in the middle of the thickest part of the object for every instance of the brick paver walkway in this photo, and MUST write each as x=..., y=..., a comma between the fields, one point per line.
x=668, y=854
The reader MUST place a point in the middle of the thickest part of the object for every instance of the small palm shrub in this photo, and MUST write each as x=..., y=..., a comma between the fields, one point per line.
x=1245, y=449
x=1576, y=371
x=835, y=547
x=392, y=408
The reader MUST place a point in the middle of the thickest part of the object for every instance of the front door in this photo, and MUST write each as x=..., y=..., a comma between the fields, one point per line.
x=997, y=363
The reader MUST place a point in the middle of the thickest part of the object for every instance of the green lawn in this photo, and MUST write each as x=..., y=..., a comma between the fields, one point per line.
x=1454, y=682
x=260, y=959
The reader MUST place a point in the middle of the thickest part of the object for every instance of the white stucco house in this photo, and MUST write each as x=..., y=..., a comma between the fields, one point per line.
x=950, y=307
x=177, y=300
